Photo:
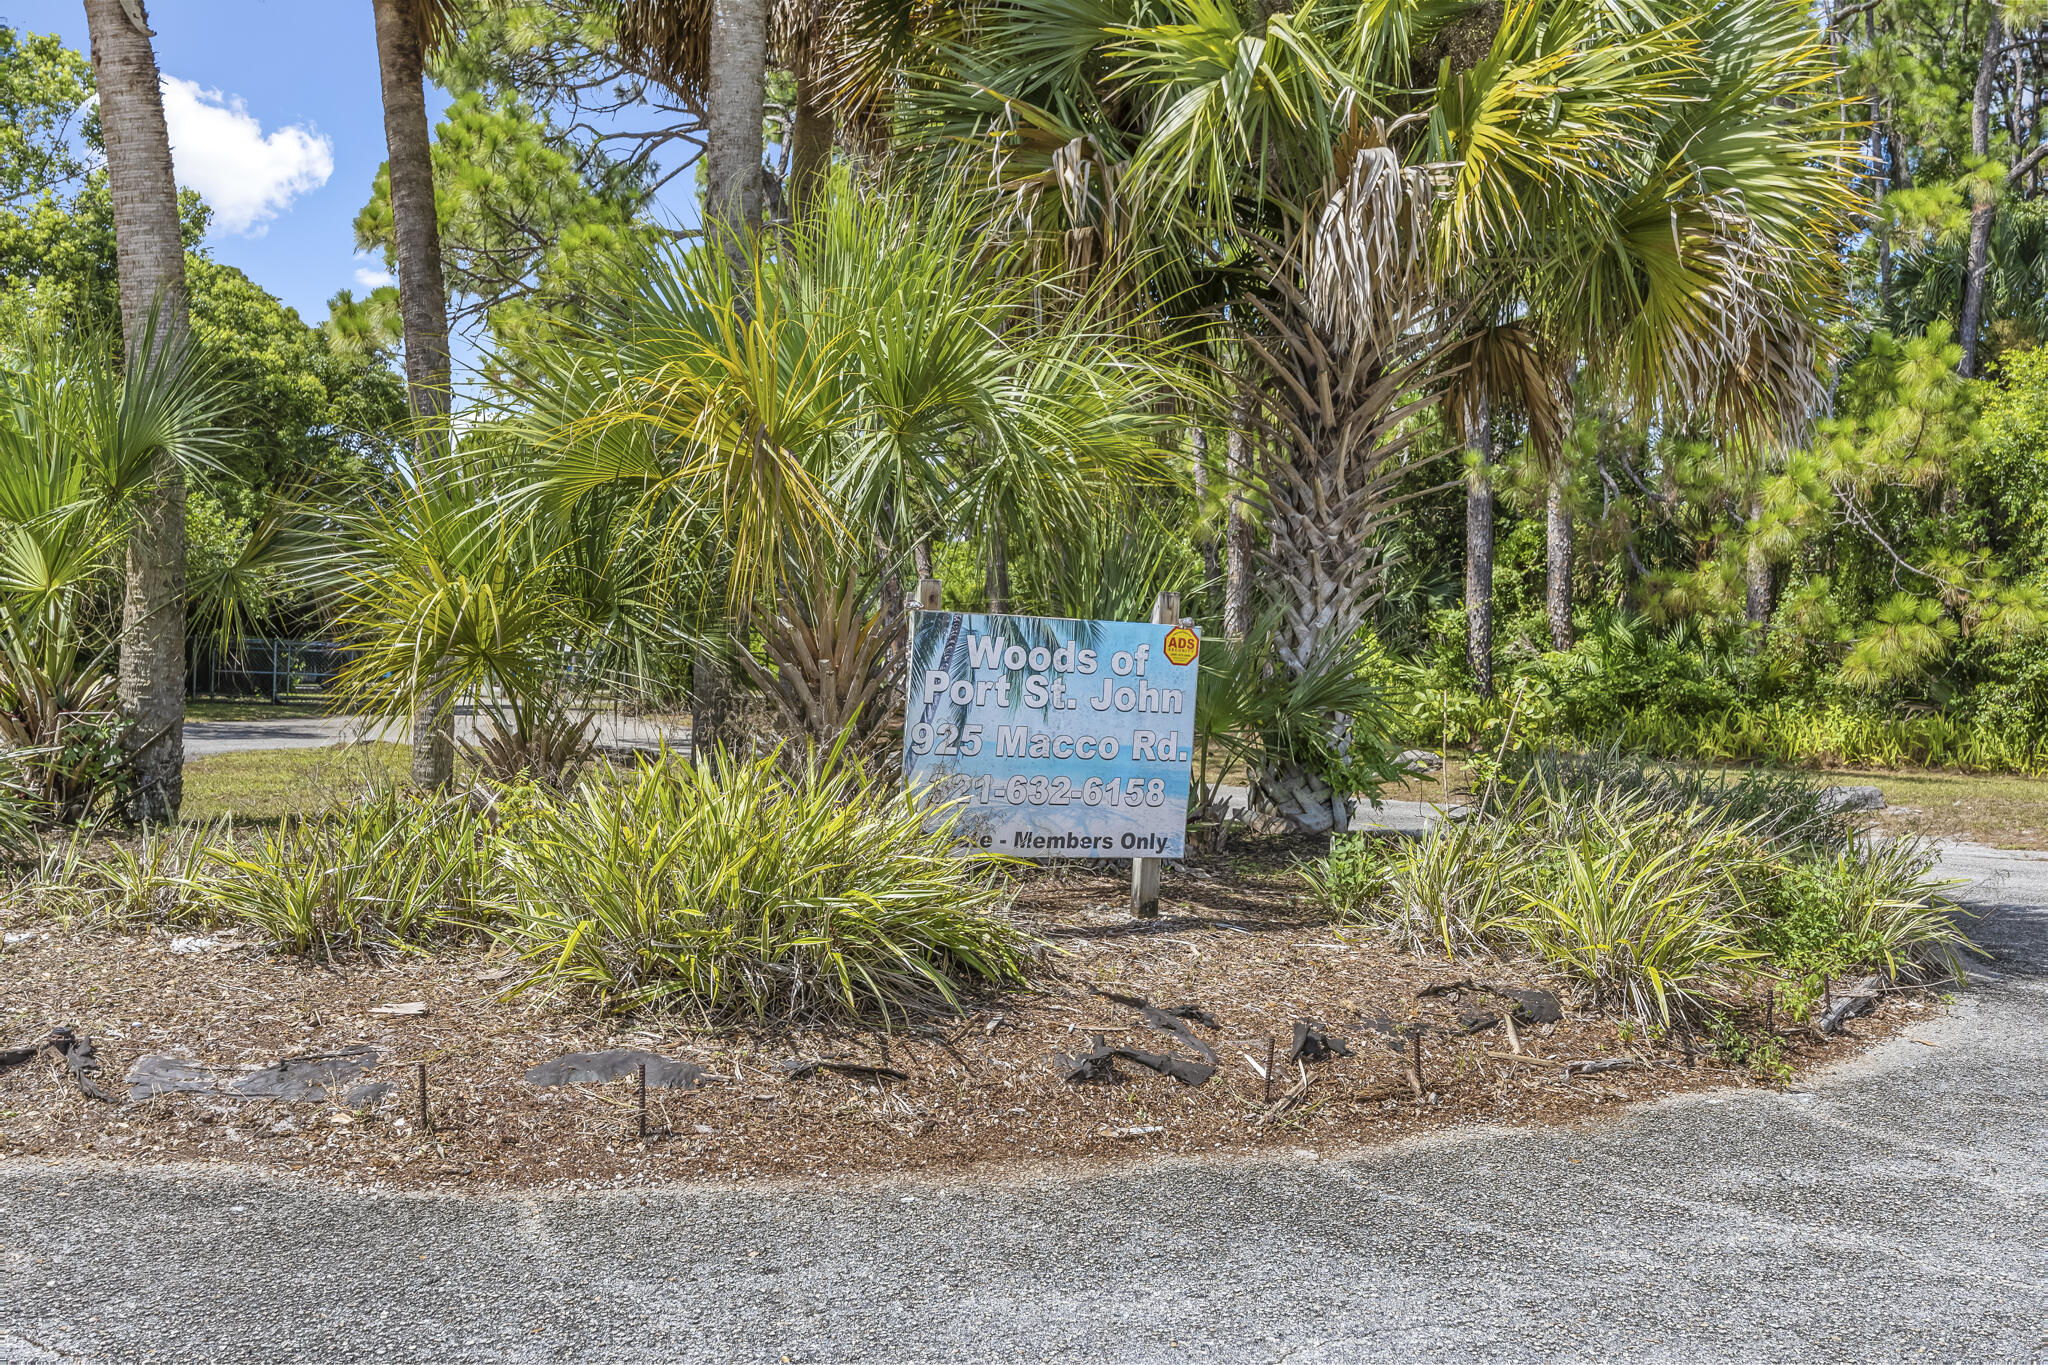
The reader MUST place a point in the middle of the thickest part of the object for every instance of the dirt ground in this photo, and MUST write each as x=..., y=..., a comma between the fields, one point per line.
x=1236, y=939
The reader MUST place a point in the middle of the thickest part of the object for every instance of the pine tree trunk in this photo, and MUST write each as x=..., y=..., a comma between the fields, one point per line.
x=1985, y=208
x=732, y=117
x=810, y=139
x=1558, y=585
x=150, y=257
x=422, y=303
x=1237, y=527
x=1756, y=573
x=1479, y=559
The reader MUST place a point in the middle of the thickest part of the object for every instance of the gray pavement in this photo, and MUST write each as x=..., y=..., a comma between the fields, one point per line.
x=1896, y=1209
x=206, y=737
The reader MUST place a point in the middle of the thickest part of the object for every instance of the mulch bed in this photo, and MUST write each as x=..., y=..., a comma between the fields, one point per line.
x=980, y=1092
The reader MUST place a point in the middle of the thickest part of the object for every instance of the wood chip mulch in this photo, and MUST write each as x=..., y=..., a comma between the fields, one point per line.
x=982, y=1094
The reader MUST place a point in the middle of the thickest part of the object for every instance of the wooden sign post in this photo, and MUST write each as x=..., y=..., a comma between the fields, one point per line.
x=1145, y=871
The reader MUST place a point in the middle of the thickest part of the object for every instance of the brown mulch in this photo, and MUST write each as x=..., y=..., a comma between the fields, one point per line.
x=982, y=1092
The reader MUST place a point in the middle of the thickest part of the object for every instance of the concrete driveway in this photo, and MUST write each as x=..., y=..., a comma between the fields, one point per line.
x=1897, y=1209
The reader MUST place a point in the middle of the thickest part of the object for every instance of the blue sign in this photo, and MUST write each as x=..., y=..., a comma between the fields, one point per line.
x=1058, y=738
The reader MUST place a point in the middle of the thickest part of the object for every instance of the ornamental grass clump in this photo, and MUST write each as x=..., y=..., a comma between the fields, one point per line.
x=1449, y=891
x=1642, y=907
x=399, y=871
x=1663, y=894
x=757, y=888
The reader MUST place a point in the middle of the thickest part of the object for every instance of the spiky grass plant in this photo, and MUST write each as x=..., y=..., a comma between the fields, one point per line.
x=1449, y=891
x=397, y=871
x=756, y=888
x=1644, y=908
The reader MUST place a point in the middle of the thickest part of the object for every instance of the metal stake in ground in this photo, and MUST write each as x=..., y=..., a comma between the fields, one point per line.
x=426, y=1124
x=643, y=1101
x=1145, y=871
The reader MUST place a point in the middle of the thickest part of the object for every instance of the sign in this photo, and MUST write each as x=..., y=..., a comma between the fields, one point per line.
x=1057, y=738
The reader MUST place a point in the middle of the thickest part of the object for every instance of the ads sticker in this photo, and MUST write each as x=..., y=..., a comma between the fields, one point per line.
x=1182, y=645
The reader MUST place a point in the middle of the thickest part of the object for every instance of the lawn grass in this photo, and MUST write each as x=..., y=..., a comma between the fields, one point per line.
x=266, y=786
x=2001, y=810
x=1996, y=809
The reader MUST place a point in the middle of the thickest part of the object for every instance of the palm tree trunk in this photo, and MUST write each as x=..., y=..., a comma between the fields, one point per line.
x=732, y=117
x=1756, y=573
x=149, y=254
x=998, y=580
x=1479, y=582
x=1558, y=587
x=1198, y=459
x=810, y=139
x=922, y=553
x=422, y=304
x=1237, y=529
x=1985, y=207
x=1479, y=557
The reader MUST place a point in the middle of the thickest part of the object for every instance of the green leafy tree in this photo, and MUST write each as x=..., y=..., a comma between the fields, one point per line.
x=526, y=227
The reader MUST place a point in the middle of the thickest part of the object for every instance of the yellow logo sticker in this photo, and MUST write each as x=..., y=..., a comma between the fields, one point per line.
x=1182, y=644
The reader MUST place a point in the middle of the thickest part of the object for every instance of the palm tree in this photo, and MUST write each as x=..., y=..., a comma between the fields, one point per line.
x=149, y=253
x=84, y=443
x=816, y=414
x=406, y=31
x=1557, y=127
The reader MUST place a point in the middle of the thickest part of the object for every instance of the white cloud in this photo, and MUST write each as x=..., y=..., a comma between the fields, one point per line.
x=373, y=279
x=247, y=176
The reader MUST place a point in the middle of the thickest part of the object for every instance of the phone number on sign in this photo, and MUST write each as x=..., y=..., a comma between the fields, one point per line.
x=1022, y=790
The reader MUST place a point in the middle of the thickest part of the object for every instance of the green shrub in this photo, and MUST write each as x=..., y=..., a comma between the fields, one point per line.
x=1869, y=907
x=1352, y=876
x=755, y=888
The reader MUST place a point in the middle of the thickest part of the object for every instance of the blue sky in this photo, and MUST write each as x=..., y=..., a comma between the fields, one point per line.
x=283, y=132
x=276, y=118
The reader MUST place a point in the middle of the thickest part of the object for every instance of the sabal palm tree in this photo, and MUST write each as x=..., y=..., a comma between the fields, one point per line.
x=84, y=442
x=1298, y=144
x=1700, y=282
x=149, y=253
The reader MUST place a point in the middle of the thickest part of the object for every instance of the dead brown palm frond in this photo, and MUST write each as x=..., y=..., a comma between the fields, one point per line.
x=667, y=40
x=846, y=51
x=1368, y=253
x=1503, y=365
x=434, y=22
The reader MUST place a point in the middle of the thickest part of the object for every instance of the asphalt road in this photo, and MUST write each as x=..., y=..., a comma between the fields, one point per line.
x=207, y=737
x=1897, y=1210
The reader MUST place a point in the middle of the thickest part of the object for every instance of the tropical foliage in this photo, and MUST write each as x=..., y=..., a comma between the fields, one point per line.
x=1661, y=893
